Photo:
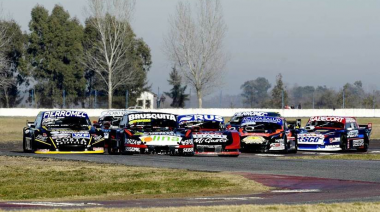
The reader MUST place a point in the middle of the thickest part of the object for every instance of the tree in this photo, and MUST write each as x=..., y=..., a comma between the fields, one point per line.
x=12, y=74
x=108, y=55
x=55, y=49
x=279, y=94
x=353, y=95
x=195, y=44
x=255, y=92
x=177, y=93
x=302, y=95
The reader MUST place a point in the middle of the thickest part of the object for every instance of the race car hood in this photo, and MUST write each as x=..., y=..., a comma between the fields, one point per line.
x=210, y=138
x=160, y=138
x=259, y=138
x=320, y=132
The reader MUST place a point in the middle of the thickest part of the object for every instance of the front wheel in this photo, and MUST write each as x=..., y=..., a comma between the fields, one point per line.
x=343, y=142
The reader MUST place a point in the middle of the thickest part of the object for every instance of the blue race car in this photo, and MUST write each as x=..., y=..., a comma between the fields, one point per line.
x=237, y=118
x=62, y=131
x=333, y=133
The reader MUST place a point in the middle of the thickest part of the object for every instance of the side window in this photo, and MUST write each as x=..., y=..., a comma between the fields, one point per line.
x=38, y=120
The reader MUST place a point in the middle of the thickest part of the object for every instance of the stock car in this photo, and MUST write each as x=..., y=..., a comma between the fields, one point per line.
x=334, y=133
x=108, y=122
x=267, y=133
x=235, y=121
x=152, y=133
x=209, y=135
x=62, y=132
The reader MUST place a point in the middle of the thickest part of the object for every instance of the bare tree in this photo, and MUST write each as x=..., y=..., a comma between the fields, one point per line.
x=6, y=76
x=195, y=44
x=111, y=19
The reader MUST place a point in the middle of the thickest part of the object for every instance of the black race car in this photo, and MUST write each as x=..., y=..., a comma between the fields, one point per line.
x=62, y=131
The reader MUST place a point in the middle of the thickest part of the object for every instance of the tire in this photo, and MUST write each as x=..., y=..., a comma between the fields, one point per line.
x=24, y=144
x=343, y=142
x=286, y=150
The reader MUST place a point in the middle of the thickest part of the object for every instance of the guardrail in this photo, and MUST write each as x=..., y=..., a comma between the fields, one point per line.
x=226, y=112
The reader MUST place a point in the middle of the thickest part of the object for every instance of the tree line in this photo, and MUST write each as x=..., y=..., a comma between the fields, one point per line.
x=257, y=94
x=61, y=63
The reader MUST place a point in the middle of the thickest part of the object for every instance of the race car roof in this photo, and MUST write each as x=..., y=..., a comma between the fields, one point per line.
x=199, y=118
x=64, y=113
x=340, y=119
x=256, y=113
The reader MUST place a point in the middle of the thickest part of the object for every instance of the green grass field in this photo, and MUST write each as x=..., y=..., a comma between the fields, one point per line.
x=23, y=178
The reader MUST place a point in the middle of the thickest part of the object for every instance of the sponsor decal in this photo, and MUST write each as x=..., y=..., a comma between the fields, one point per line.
x=133, y=141
x=277, y=146
x=200, y=118
x=64, y=113
x=140, y=121
x=357, y=143
x=81, y=135
x=152, y=138
x=203, y=135
x=251, y=113
x=64, y=141
x=160, y=133
x=97, y=148
x=210, y=140
x=332, y=146
x=310, y=138
x=114, y=113
x=42, y=138
x=327, y=118
x=132, y=149
x=136, y=116
x=332, y=140
x=353, y=134
x=187, y=142
x=255, y=119
x=254, y=140
x=188, y=150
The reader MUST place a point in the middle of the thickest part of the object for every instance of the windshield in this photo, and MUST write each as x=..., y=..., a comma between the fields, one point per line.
x=326, y=124
x=216, y=125
x=152, y=125
x=236, y=120
x=114, y=120
x=263, y=127
x=66, y=122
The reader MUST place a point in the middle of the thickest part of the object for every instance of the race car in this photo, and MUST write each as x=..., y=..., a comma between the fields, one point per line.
x=62, y=131
x=152, y=133
x=236, y=119
x=334, y=133
x=266, y=134
x=109, y=123
x=209, y=135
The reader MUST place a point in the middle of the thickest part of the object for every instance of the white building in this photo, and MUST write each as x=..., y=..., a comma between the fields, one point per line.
x=146, y=100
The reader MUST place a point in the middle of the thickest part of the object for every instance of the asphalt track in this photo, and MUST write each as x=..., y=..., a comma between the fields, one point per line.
x=295, y=181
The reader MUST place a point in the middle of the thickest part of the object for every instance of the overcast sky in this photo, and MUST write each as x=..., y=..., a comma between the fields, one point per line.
x=311, y=42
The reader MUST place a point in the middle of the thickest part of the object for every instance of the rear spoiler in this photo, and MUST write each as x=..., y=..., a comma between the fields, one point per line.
x=29, y=123
x=294, y=124
x=367, y=128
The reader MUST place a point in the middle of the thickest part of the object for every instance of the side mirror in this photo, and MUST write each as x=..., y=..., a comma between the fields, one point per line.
x=310, y=127
x=33, y=126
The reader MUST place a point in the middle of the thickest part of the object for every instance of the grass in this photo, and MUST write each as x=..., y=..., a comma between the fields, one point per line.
x=345, y=207
x=339, y=157
x=23, y=178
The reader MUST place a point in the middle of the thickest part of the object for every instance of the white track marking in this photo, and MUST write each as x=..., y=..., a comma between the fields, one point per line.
x=226, y=198
x=55, y=204
x=269, y=155
x=375, y=152
x=297, y=191
x=317, y=153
